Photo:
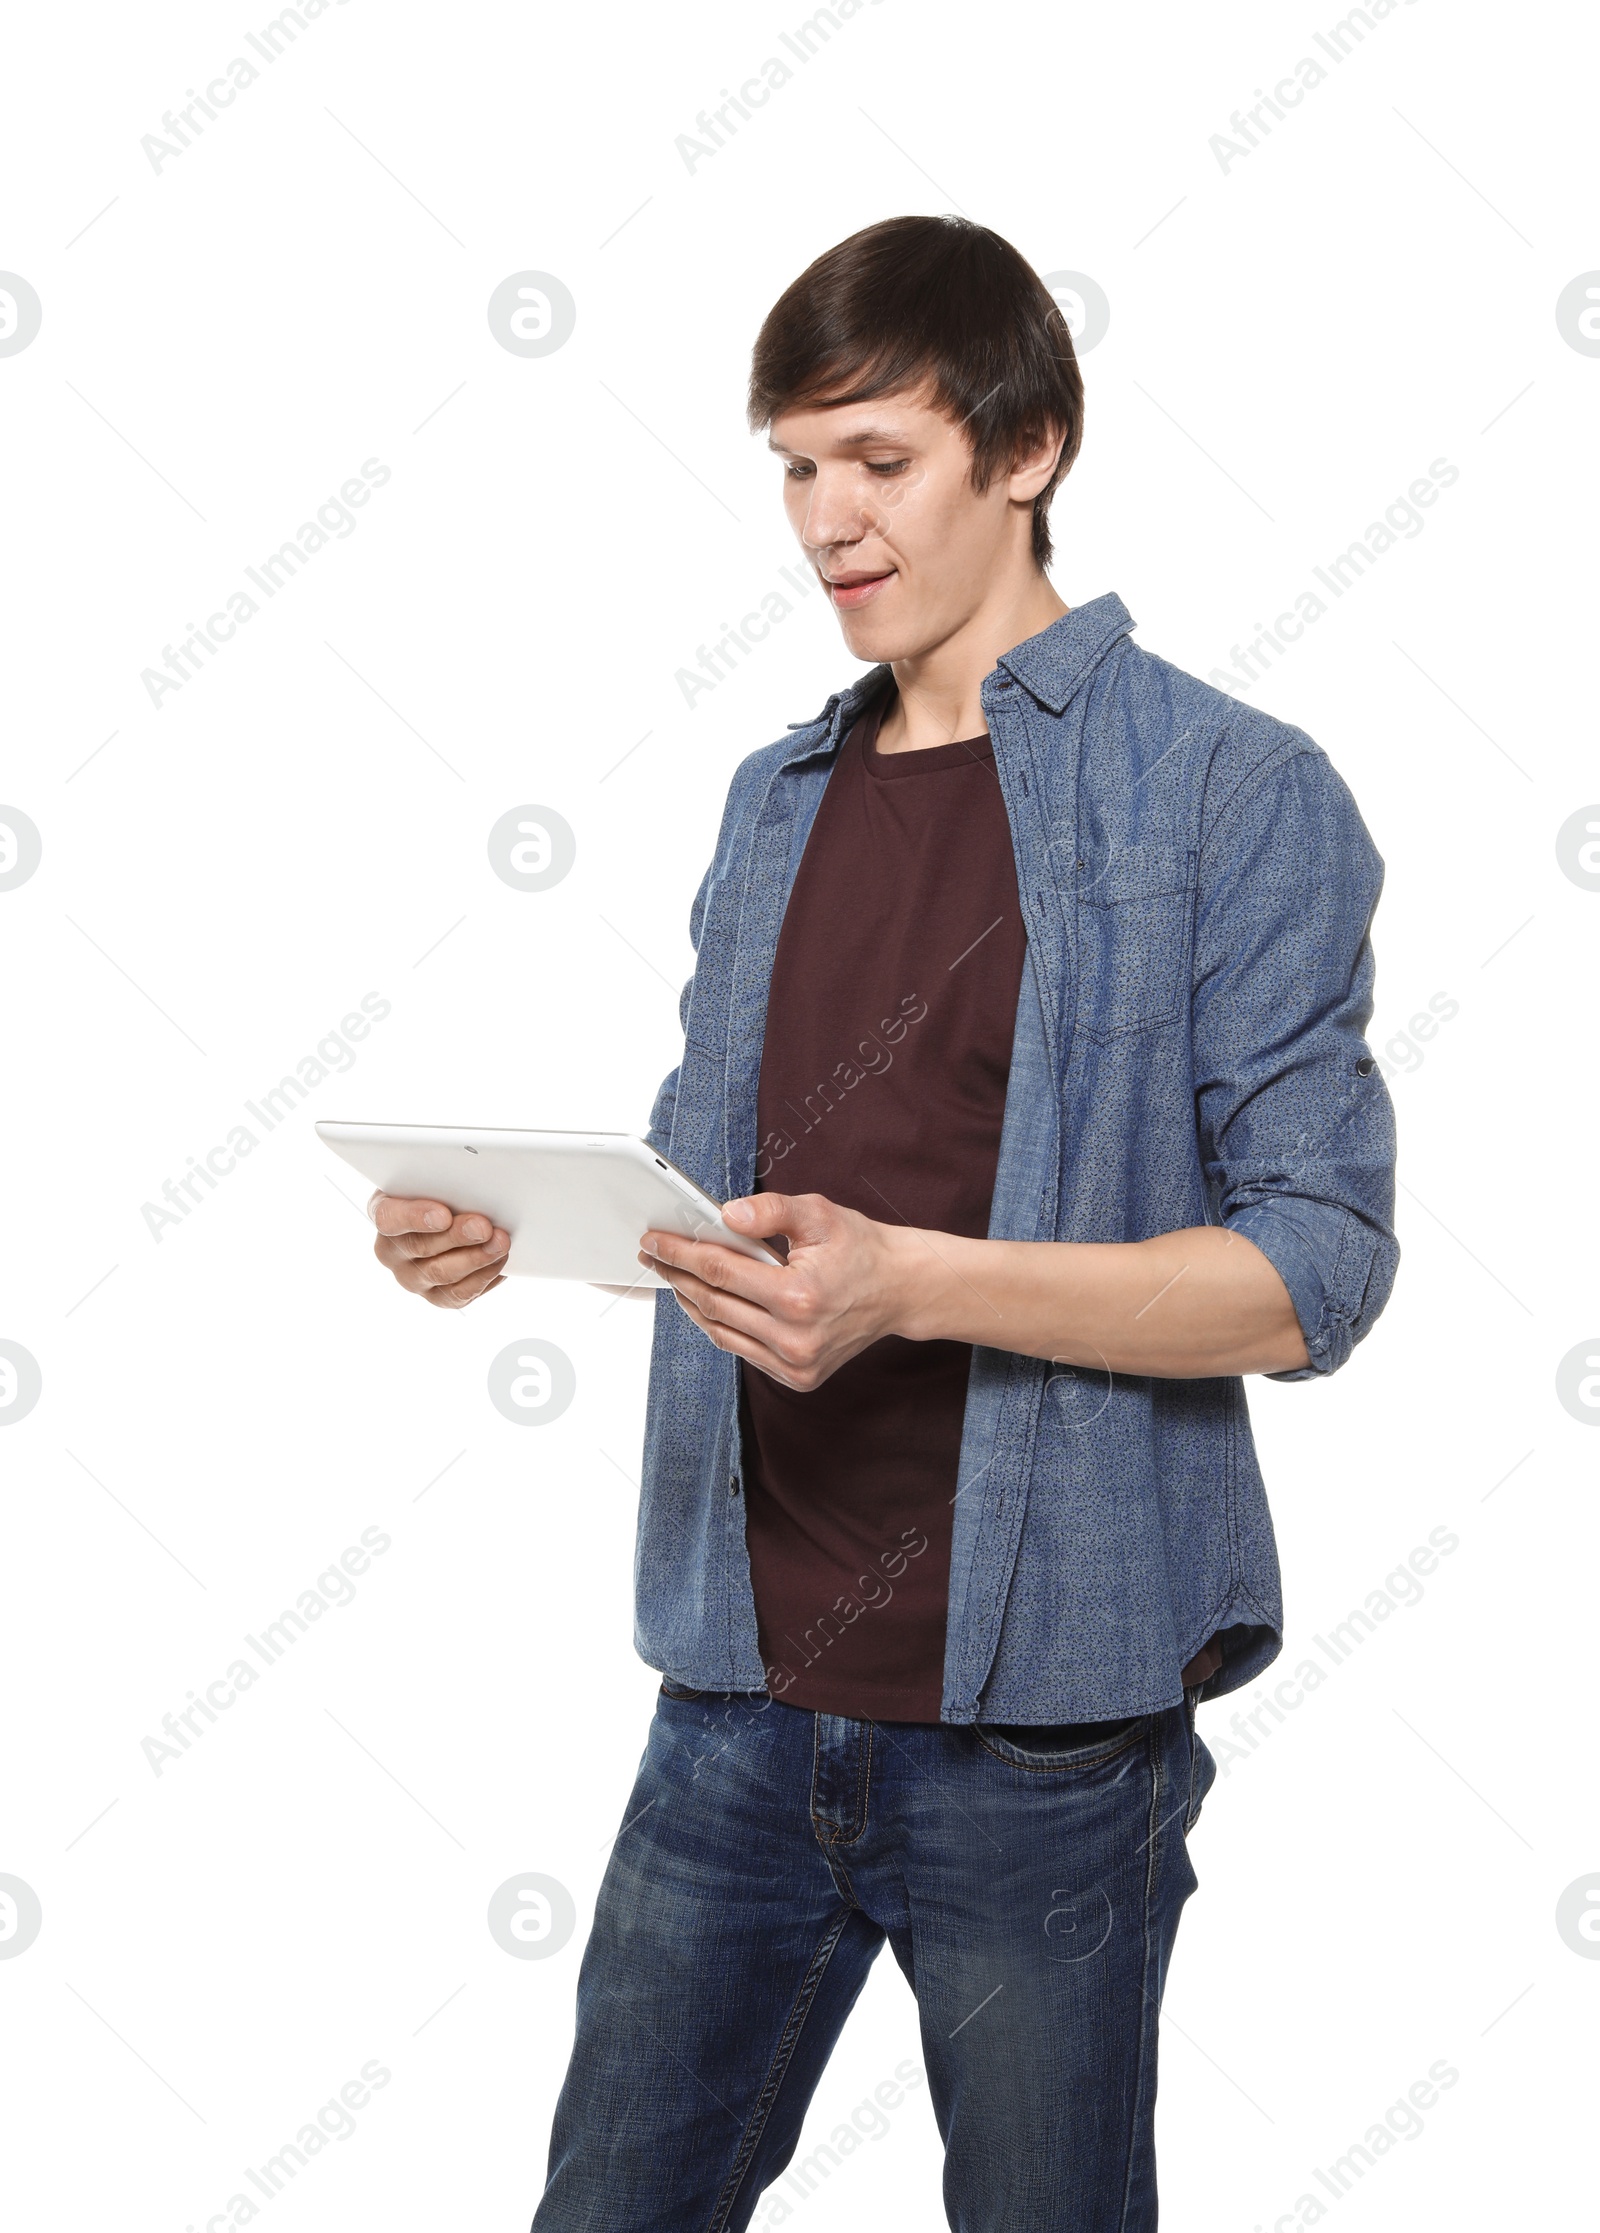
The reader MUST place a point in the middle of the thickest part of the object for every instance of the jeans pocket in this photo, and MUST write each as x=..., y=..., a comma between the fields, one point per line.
x=1202, y=1766
x=1060, y=1748
x=680, y=1691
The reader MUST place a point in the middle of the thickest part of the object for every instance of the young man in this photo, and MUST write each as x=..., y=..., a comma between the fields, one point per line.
x=1027, y=1020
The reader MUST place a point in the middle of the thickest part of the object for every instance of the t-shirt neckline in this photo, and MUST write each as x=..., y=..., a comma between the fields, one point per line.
x=930, y=759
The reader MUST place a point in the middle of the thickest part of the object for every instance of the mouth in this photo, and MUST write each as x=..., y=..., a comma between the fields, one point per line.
x=850, y=592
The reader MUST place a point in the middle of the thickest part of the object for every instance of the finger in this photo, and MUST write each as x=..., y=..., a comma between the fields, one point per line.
x=718, y=1267
x=422, y=1275
x=707, y=1275
x=465, y=1291
x=457, y=1264
x=466, y=1231
x=800, y=1216
x=396, y=1213
x=721, y=1305
x=737, y=1344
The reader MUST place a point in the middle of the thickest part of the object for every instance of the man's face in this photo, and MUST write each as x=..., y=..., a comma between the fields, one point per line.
x=881, y=496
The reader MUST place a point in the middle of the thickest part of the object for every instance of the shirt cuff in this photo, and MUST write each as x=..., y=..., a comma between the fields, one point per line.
x=1301, y=1241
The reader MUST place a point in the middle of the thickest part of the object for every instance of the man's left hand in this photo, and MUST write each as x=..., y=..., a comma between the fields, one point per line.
x=799, y=1321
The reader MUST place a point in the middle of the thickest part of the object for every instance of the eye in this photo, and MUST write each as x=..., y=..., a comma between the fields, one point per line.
x=885, y=468
x=798, y=470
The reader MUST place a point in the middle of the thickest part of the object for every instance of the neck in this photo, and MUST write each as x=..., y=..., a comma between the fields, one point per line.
x=936, y=690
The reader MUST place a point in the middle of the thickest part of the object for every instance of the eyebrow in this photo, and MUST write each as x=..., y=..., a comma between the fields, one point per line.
x=860, y=441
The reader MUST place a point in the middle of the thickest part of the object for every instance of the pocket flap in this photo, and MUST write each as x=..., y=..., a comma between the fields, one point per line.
x=1135, y=872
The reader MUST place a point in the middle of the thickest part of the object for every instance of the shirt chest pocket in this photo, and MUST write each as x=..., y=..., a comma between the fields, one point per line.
x=1134, y=909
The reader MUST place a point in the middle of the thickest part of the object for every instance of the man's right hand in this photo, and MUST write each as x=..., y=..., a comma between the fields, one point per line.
x=448, y=1259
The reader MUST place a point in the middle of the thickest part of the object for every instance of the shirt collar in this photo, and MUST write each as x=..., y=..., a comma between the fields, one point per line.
x=1049, y=665
x=1052, y=664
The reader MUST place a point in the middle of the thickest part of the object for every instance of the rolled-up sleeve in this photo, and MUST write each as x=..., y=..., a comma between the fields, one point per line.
x=1295, y=1122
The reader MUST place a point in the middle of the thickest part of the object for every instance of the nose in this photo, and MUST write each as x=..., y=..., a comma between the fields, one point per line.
x=835, y=517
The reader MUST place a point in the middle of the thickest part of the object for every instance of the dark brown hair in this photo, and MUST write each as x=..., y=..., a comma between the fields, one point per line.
x=937, y=301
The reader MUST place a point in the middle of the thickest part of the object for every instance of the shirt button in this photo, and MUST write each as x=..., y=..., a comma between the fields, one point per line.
x=733, y=1484
x=1365, y=1067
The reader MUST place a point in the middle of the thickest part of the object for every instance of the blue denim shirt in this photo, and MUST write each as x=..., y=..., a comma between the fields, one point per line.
x=1198, y=888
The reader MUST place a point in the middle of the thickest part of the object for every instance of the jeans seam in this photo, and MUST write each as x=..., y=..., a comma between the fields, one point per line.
x=781, y=2059
x=1191, y=1702
x=1146, y=2021
x=821, y=1823
x=863, y=1788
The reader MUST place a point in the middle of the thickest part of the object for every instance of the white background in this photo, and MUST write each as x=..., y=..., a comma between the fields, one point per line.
x=1293, y=340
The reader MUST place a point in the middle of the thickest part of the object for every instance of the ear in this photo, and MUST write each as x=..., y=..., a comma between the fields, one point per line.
x=1031, y=469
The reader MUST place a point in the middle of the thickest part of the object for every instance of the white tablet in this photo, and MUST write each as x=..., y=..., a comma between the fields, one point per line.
x=574, y=1203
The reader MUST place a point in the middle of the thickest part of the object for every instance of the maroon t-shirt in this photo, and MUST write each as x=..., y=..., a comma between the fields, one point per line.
x=883, y=1086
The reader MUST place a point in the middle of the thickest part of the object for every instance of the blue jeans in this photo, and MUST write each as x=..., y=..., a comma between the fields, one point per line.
x=1030, y=1882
